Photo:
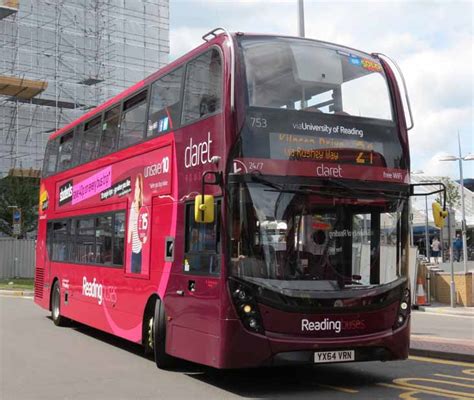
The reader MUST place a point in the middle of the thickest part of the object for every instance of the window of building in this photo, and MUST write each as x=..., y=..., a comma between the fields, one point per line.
x=132, y=126
x=50, y=157
x=66, y=142
x=165, y=103
x=202, y=244
x=110, y=128
x=90, y=140
x=203, y=87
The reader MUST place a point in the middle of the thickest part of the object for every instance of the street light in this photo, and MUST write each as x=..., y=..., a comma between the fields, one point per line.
x=460, y=158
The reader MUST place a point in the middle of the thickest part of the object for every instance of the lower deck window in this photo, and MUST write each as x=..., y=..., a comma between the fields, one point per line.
x=97, y=239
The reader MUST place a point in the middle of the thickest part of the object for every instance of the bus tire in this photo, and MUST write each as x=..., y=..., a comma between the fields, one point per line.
x=56, y=316
x=162, y=359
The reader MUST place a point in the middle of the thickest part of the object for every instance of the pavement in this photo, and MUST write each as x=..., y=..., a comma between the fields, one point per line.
x=437, y=330
x=443, y=332
x=17, y=292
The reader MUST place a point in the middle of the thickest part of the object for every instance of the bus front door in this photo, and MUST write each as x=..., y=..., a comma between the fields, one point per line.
x=193, y=298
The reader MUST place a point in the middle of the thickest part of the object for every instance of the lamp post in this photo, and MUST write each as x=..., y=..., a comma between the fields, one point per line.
x=300, y=18
x=460, y=158
x=427, y=239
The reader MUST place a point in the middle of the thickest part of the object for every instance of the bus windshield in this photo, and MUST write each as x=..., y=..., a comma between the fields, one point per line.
x=296, y=233
x=311, y=76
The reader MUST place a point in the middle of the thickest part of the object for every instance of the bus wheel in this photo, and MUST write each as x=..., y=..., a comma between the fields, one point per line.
x=158, y=331
x=56, y=306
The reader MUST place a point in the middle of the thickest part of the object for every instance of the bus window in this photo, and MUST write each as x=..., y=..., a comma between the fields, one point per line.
x=65, y=151
x=103, y=245
x=165, y=103
x=119, y=237
x=202, y=94
x=60, y=240
x=85, y=241
x=109, y=131
x=202, y=245
x=90, y=140
x=132, y=126
x=50, y=158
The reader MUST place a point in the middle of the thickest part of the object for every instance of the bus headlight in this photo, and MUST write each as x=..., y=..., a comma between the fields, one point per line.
x=246, y=305
x=403, y=309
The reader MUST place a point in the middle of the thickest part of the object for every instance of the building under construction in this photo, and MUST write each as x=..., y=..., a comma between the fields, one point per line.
x=60, y=58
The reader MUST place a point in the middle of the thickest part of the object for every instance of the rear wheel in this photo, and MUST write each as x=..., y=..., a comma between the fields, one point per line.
x=56, y=316
x=156, y=337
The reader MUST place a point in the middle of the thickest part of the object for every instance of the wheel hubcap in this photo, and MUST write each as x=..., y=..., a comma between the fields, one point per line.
x=150, y=333
x=56, y=306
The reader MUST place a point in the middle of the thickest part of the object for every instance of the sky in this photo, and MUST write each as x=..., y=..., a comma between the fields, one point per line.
x=432, y=41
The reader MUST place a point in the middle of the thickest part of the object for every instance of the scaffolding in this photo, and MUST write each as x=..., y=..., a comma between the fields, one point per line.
x=60, y=58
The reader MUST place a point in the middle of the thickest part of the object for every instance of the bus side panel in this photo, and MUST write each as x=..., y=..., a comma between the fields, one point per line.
x=42, y=286
x=42, y=268
x=97, y=296
x=163, y=235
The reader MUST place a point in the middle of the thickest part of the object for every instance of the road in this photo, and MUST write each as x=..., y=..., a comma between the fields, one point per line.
x=41, y=361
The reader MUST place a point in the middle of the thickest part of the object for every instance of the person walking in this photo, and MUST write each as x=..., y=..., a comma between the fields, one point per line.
x=457, y=248
x=435, y=247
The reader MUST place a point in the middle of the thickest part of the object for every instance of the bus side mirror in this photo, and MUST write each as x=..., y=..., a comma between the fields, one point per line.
x=439, y=215
x=204, y=208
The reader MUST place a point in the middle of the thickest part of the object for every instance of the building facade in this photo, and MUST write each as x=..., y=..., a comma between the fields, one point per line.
x=60, y=58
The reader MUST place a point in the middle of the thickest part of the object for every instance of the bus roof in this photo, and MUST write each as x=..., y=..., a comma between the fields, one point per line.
x=136, y=87
x=169, y=67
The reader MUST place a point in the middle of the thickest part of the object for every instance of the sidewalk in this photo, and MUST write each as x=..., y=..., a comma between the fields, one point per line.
x=17, y=292
x=439, y=308
x=440, y=331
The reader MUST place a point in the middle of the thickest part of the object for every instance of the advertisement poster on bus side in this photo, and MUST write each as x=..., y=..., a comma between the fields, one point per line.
x=136, y=180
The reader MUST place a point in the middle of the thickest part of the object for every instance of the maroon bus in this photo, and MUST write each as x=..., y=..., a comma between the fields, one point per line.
x=246, y=205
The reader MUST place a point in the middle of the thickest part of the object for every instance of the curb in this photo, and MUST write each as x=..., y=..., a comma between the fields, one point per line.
x=443, y=311
x=443, y=355
x=17, y=293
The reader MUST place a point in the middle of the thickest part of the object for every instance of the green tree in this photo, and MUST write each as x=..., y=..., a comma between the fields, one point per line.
x=453, y=198
x=21, y=192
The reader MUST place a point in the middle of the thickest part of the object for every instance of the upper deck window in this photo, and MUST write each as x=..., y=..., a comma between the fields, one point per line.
x=203, y=88
x=50, y=157
x=132, y=126
x=65, y=151
x=165, y=103
x=90, y=140
x=110, y=128
x=304, y=75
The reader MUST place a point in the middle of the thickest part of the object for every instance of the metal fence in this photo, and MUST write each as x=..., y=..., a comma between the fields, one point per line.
x=17, y=258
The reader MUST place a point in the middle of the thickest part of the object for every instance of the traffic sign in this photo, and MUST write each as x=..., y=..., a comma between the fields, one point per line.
x=16, y=229
x=17, y=216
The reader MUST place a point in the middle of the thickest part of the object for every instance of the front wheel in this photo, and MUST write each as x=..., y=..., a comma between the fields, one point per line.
x=56, y=316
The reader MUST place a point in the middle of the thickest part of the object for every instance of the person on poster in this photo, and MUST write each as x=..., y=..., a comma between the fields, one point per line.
x=133, y=237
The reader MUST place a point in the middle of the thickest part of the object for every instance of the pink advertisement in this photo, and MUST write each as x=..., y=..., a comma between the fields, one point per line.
x=92, y=185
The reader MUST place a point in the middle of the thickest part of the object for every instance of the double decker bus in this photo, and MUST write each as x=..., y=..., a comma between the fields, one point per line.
x=246, y=205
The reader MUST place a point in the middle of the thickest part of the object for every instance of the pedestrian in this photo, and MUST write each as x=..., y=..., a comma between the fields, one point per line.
x=435, y=247
x=457, y=248
x=421, y=246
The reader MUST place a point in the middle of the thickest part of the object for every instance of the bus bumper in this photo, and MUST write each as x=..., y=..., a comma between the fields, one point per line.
x=243, y=349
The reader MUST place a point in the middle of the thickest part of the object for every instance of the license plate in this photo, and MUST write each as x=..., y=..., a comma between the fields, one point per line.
x=334, y=356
